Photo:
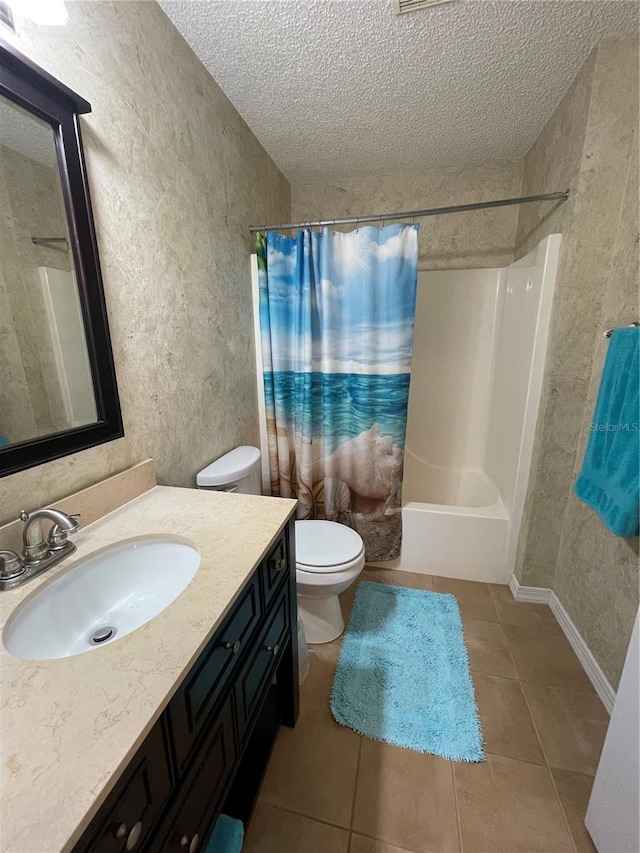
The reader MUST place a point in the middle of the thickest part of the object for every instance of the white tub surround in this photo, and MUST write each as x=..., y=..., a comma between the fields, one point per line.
x=479, y=351
x=72, y=725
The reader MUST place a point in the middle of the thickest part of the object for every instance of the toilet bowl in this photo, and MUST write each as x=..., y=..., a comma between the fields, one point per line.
x=329, y=556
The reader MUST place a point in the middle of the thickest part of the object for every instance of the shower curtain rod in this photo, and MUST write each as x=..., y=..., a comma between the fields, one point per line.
x=412, y=214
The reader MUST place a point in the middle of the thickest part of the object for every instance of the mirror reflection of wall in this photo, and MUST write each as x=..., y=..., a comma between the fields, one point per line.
x=46, y=384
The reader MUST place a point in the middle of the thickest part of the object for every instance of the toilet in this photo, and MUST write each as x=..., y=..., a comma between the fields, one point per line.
x=329, y=556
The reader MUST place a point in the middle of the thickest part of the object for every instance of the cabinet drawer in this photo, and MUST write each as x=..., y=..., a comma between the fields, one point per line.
x=126, y=819
x=256, y=674
x=203, y=686
x=275, y=569
x=203, y=789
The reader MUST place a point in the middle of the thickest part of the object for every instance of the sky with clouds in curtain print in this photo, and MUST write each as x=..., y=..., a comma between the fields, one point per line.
x=341, y=302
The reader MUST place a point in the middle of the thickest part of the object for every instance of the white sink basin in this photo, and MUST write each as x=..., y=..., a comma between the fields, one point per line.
x=103, y=598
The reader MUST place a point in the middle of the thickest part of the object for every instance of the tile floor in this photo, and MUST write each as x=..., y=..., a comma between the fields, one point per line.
x=328, y=790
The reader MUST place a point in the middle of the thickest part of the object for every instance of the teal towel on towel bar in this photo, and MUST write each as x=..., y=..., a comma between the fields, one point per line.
x=610, y=478
x=227, y=837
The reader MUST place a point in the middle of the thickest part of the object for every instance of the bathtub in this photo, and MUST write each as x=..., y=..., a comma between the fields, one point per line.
x=478, y=363
x=454, y=524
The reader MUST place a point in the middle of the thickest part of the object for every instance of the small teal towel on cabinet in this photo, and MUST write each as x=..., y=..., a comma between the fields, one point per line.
x=610, y=478
x=227, y=836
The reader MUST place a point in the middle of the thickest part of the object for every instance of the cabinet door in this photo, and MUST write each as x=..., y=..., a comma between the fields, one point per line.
x=191, y=706
x=128, y=816
x=275, y=569
x=253, y=681
x=201, y=795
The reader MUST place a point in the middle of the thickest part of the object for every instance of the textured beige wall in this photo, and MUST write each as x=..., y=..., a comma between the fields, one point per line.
x=31, y=203
x=562, y=543
x=483, y=238
x=176, y=177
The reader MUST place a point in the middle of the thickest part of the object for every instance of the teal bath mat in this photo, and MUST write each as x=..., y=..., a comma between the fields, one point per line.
x=403, y=673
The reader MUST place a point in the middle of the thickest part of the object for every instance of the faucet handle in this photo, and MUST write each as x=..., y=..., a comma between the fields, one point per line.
x=11, y=565
x=57, y=538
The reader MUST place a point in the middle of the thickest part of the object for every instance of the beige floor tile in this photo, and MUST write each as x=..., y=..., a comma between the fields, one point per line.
x=313, y=768
x=412, y=580
x=346, y=598
x=316, y=690
x=514, y=612
x=488, y=648
x=369, y=573
x=574, y=790
x=360, y=844
x=571, y=726
x=474, y=598
x=507, y=727
x=508, y=806
x=406, y=799
x=273, y=830
x=543, y=657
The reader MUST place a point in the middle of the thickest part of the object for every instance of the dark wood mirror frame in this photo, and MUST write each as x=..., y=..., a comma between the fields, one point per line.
x=32, y=88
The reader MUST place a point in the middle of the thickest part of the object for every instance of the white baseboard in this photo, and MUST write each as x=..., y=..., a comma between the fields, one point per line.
x=530, y=594
x=542, y=595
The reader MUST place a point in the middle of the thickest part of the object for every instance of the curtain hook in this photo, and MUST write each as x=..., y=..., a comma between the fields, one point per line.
x=357, y=225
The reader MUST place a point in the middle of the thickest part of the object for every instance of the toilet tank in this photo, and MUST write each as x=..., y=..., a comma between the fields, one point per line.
x=236, y=471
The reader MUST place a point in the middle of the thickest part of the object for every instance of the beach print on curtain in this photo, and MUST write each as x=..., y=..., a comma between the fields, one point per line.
x=336, y=319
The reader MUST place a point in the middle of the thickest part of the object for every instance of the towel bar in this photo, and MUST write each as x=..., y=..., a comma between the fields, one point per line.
x=607, y=333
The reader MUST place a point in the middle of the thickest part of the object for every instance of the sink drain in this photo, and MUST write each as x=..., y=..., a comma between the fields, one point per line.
x=101, y=635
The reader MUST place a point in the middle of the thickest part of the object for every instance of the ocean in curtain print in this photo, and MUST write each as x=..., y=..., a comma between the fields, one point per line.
x=344, y=405
x=336, y=320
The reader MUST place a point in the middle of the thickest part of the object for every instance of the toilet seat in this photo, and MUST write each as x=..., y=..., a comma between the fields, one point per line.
x=326, y=547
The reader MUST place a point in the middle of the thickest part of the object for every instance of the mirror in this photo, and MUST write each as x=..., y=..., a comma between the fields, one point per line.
x=58, y=390
x=46, y=377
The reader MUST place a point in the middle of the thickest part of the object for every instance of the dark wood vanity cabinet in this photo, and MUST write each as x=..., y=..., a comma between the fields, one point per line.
x=208, y=751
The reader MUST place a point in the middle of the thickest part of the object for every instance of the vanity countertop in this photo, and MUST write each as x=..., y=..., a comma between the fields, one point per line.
x=70, y=726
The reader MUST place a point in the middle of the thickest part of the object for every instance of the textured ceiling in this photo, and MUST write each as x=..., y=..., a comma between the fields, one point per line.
x=336, y=88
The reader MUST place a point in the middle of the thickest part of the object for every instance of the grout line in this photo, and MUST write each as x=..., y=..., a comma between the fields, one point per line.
x=355, y=787
x=590, y=693
x=475, y=672
x=455, y=798
x=562, y=811
x=548, y=768
x=306, y=816
x=519, y=760
x=383, y=841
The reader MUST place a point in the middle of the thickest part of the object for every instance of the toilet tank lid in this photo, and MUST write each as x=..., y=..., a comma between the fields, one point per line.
x=230, y=467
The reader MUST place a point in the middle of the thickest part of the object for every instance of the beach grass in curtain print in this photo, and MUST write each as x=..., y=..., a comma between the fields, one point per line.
x=336, y=316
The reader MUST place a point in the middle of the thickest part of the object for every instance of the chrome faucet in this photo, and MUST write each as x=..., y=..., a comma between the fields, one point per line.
x=39, y=554
x=35, y=546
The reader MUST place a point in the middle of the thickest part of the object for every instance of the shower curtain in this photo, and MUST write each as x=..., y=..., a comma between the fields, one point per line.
x=336, y=321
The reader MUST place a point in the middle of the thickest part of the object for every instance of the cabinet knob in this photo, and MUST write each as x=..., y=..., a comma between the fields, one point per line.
x=233, y=647
x=190, y=844
x=279, y=565
x=132, y=835
x=272, y=649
